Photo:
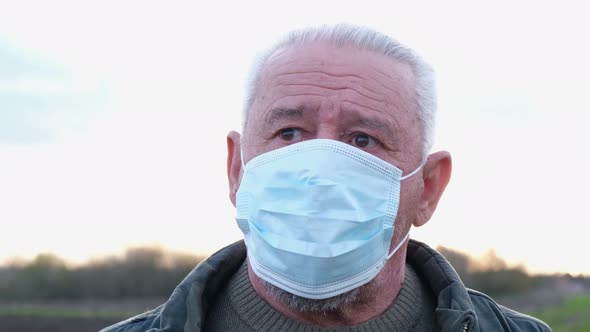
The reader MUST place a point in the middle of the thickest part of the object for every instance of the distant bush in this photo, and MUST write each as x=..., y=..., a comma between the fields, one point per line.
x=493, y=275
x=142, y=272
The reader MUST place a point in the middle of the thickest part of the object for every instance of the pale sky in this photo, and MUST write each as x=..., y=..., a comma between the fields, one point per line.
x=113, y=118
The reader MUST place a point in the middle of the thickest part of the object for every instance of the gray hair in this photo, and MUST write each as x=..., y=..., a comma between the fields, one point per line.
x=365, y=39
x=302, y=304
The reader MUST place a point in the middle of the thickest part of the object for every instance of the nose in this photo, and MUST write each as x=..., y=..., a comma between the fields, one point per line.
x=327, y=131
x=328, y=117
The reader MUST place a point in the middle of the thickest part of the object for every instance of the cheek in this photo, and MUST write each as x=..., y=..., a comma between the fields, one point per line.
x=258, y=147
x=408, y=202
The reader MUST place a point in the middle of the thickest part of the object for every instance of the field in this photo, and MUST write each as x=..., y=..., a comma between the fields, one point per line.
x=568, y=315
x=78, y=316
x=572, y=315
x=52, y=324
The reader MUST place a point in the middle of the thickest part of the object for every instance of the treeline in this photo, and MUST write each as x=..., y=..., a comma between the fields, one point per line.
x=141, y=272
x=153, y=272
x=492, y=275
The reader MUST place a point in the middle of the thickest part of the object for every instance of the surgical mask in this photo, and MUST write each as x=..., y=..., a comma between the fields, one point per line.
x=318, y=216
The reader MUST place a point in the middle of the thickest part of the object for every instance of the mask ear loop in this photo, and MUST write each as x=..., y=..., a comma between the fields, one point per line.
x=414, y=171
x=399, y=245
x=242, y=157
x=408, y=234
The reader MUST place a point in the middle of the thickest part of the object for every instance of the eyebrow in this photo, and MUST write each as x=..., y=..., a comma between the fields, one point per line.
x=277, y=114
x=372, y=123
x=375, y=124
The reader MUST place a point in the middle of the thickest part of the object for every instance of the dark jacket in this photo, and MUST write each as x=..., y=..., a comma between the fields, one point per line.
x=458, y=308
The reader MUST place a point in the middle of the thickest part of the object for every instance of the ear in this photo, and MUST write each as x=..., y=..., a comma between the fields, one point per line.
x=234, y=164
x=436, y=176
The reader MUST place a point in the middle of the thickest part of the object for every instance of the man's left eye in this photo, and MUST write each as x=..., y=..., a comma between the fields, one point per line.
x=363, y=141
x=289, y=134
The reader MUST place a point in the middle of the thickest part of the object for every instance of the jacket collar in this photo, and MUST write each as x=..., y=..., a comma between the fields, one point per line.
x=187, y=308
x=455, y=311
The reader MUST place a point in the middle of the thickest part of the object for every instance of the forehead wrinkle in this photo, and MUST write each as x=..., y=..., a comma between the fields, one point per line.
x=376, y=121
x=296, y=94
x=386, y=89
x=277, y=60
x=324, y=72
x=393, y=84
x=401, y=87
x=367, y=105
x=344, y=80
x=303, y=87
x=379, y=76
x=334, y=87
x=360, y=107
x=406, y=83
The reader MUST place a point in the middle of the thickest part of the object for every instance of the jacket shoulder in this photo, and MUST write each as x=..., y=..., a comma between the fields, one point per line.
x=139, y=323
x=495, y=317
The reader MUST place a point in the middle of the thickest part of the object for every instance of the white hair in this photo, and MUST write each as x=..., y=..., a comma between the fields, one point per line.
x=364, y=39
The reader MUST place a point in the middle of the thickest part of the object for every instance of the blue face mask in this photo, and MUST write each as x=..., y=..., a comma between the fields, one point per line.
x=318, y=216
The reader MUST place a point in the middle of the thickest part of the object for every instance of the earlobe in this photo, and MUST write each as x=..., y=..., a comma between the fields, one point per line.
x=234, y=164
x=436, y=176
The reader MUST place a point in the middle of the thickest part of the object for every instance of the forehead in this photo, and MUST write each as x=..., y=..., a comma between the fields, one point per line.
x=389, y=75
x=338, y=85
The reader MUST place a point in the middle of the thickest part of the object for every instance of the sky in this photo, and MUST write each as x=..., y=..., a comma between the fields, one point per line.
x=114, y=116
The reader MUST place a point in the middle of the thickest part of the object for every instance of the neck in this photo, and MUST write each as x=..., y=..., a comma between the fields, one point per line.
x=373, y=300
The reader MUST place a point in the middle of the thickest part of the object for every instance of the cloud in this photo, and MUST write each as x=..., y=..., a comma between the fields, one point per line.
x=39, y=99
x=15, y=65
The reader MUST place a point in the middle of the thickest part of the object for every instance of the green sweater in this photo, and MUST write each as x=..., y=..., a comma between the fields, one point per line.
x=239, y=308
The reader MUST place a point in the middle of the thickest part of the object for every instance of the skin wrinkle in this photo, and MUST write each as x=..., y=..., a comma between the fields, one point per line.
x=347, y=78
x=324, y=77
x=386, y=76
x=299, y=94
x=335, y=89
x=345, y=92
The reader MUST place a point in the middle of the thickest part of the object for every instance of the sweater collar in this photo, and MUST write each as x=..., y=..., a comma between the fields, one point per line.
x=250, y=309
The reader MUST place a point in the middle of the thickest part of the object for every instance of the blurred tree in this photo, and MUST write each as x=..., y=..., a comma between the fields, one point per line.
x=142, y=272
x=490, y=261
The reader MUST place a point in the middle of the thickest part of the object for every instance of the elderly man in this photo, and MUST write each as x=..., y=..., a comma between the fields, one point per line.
x=330, y=173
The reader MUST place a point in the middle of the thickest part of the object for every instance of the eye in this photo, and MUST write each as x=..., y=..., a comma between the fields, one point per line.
x=363, y=141
x=289, y=134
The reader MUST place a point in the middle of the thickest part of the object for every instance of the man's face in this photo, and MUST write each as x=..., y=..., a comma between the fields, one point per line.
x=357, y=97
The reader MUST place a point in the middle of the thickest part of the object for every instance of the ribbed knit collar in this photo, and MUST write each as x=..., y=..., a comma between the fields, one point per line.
x=402, y=315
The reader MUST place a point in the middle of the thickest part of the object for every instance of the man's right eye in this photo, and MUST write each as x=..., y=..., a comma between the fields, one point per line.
x=289, y=134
